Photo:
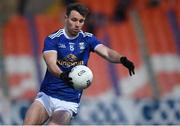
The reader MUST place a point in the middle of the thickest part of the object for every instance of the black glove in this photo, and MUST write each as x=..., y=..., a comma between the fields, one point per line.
x=128, y=64
x=65, y=77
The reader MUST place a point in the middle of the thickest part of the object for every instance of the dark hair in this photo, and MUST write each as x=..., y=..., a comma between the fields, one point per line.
x=83, y=10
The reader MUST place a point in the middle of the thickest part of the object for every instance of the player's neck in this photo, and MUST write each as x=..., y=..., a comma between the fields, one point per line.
x=68, y=35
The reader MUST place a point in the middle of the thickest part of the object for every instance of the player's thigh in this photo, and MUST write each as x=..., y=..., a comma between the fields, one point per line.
x=60, y=117
x=36, y=114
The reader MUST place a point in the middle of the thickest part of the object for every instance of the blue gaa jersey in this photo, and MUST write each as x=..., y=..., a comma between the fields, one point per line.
x=71, y=52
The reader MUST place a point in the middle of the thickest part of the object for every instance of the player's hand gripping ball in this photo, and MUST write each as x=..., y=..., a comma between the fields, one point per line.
x=82, y=77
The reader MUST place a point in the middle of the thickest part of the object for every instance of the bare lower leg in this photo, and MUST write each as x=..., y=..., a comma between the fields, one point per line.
x=60, y=117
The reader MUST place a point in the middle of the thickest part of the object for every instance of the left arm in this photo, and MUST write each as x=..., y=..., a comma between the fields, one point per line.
x=107, y=53
x=114, y=57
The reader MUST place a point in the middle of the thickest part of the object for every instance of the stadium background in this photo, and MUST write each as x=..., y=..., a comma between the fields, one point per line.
x=146, y=31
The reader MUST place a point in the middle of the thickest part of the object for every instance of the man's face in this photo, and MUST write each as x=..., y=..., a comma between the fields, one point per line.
x=74, y=22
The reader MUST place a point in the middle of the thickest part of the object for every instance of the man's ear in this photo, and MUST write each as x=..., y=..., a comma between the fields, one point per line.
x=65, y=16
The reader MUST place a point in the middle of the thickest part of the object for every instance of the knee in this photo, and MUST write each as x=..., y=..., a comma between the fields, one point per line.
x=27, y=121
x=60, y=118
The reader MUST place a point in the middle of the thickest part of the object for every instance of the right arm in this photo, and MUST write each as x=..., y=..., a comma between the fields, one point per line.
x=50, y=58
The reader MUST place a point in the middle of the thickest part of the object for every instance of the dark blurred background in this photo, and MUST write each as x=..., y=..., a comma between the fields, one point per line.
x=146, y=31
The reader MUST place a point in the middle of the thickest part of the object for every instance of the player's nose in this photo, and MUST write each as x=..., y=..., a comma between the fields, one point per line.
x=78, y=24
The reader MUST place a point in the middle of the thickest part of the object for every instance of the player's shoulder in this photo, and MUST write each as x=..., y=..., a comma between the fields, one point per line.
x=86, y=34
x=56, y=34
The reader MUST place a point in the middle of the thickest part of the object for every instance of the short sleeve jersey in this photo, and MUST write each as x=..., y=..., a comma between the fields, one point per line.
x=70, y=52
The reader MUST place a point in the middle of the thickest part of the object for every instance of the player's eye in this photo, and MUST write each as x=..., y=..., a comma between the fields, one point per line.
x=74, y=19
x=81, y=21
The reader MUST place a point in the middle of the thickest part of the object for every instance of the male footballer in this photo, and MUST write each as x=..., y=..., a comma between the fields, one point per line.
x=57, y=102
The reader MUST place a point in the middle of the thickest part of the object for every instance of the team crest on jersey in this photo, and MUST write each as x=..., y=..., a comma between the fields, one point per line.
x=60, y=45
x=82, y=45
x=71, y=46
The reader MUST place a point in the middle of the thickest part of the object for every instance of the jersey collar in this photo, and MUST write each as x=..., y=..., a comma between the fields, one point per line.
x=68, y=36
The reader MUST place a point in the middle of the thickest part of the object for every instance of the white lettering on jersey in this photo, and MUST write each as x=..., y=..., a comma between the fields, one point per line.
x=71, y=46
x=60, y=45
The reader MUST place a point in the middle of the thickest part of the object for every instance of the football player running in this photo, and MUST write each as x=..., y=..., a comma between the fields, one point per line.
x=57, y=101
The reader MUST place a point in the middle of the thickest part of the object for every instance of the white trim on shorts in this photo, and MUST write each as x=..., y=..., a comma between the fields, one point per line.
x=53, y=104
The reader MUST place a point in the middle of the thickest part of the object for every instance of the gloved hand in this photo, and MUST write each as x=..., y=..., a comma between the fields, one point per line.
x=128, y=64
x=65, y=77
